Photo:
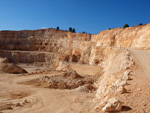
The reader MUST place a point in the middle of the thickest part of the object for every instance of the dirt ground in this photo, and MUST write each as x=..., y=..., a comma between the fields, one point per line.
x=20, y=98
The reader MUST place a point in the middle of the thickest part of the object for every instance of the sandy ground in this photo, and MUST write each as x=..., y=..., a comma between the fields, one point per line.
x=138, y=97
x=87, y=69
x=44, y=100
x=40, y=100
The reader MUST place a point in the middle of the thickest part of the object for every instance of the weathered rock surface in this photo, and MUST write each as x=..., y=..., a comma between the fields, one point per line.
x=51, y=44
x=3, y=60
x=57, y=49
x=56, y=45
x=131, y=37
x=113, y=104
x=12, y=68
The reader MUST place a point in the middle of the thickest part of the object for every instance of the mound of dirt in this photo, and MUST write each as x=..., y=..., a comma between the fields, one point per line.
x=3, y=60
x=12, y=68
x=67, y=80
x=71, y=74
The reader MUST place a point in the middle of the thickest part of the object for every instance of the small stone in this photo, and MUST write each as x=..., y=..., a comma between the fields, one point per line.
x=113, y=104
x=121, y=90
x=18, y=104
x=120, y=82
x=127, y=72
x=21, y=103
x=26, y=101
x=126, y=77
x=10, y=107
x=145, y=105
x=139, y=89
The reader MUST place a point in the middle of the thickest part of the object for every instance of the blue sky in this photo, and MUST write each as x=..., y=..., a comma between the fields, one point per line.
x=91, y=16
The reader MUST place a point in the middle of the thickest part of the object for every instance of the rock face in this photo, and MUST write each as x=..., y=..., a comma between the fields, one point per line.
x=131, y=37
x=55, y=45
x=44, y=47
x=58, y=49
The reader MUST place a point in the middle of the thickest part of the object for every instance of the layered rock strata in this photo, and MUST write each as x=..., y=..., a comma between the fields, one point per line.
x=56, y=48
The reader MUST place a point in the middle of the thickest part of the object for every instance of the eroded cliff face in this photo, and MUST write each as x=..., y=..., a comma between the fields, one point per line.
x=131, y=37
x=46, y=45
x=55, y=48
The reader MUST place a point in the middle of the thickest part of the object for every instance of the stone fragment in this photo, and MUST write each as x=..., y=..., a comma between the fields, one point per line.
x=121, y=90
x=12, y=68
x=112, y=105
x=120, y=82
x=126, y=77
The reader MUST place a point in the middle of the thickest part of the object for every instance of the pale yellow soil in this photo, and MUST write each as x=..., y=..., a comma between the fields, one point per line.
x=137, y=100
x=45, y=100
x=41, y=100
x=87, y=69
x=138, y=97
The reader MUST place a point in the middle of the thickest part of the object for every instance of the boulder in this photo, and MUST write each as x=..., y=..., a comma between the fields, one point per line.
x=112, y=105
x=3, y=60
x=120, y=82
x=12, y=68
x=82, y=89
x=121, y=90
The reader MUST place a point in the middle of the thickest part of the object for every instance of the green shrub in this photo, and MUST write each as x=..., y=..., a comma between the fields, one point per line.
x=73, y=30
x=70, y=29
x=126, y=25
x=57, y=28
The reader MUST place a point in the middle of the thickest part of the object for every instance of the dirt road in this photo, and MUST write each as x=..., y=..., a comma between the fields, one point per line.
x=33, y=99
x=138, y=97
x=142, y=59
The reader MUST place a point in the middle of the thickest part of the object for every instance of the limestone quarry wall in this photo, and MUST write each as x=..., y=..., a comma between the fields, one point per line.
x=131, y=37
x=52, y=47
x=47, y=45
x=44, y=45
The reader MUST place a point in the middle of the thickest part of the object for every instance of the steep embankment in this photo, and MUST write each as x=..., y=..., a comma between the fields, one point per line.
x=43, y=46
x=131, y=37
x=49, y=46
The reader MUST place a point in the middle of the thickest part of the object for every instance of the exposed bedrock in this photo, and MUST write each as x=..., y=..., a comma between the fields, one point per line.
x=31, y=46
x=44, y=46
x=108, y=49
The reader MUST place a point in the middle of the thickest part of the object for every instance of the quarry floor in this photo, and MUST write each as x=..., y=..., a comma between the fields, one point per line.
x=42, y=100
x=33, y=99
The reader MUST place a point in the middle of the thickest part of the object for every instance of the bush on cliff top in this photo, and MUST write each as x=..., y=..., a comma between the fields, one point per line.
x=126, y=25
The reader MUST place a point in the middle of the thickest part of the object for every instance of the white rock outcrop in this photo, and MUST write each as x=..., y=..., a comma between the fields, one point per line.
x=113, y=104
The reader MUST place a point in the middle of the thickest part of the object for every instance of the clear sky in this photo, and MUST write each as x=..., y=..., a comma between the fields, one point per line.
x=91, y=16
